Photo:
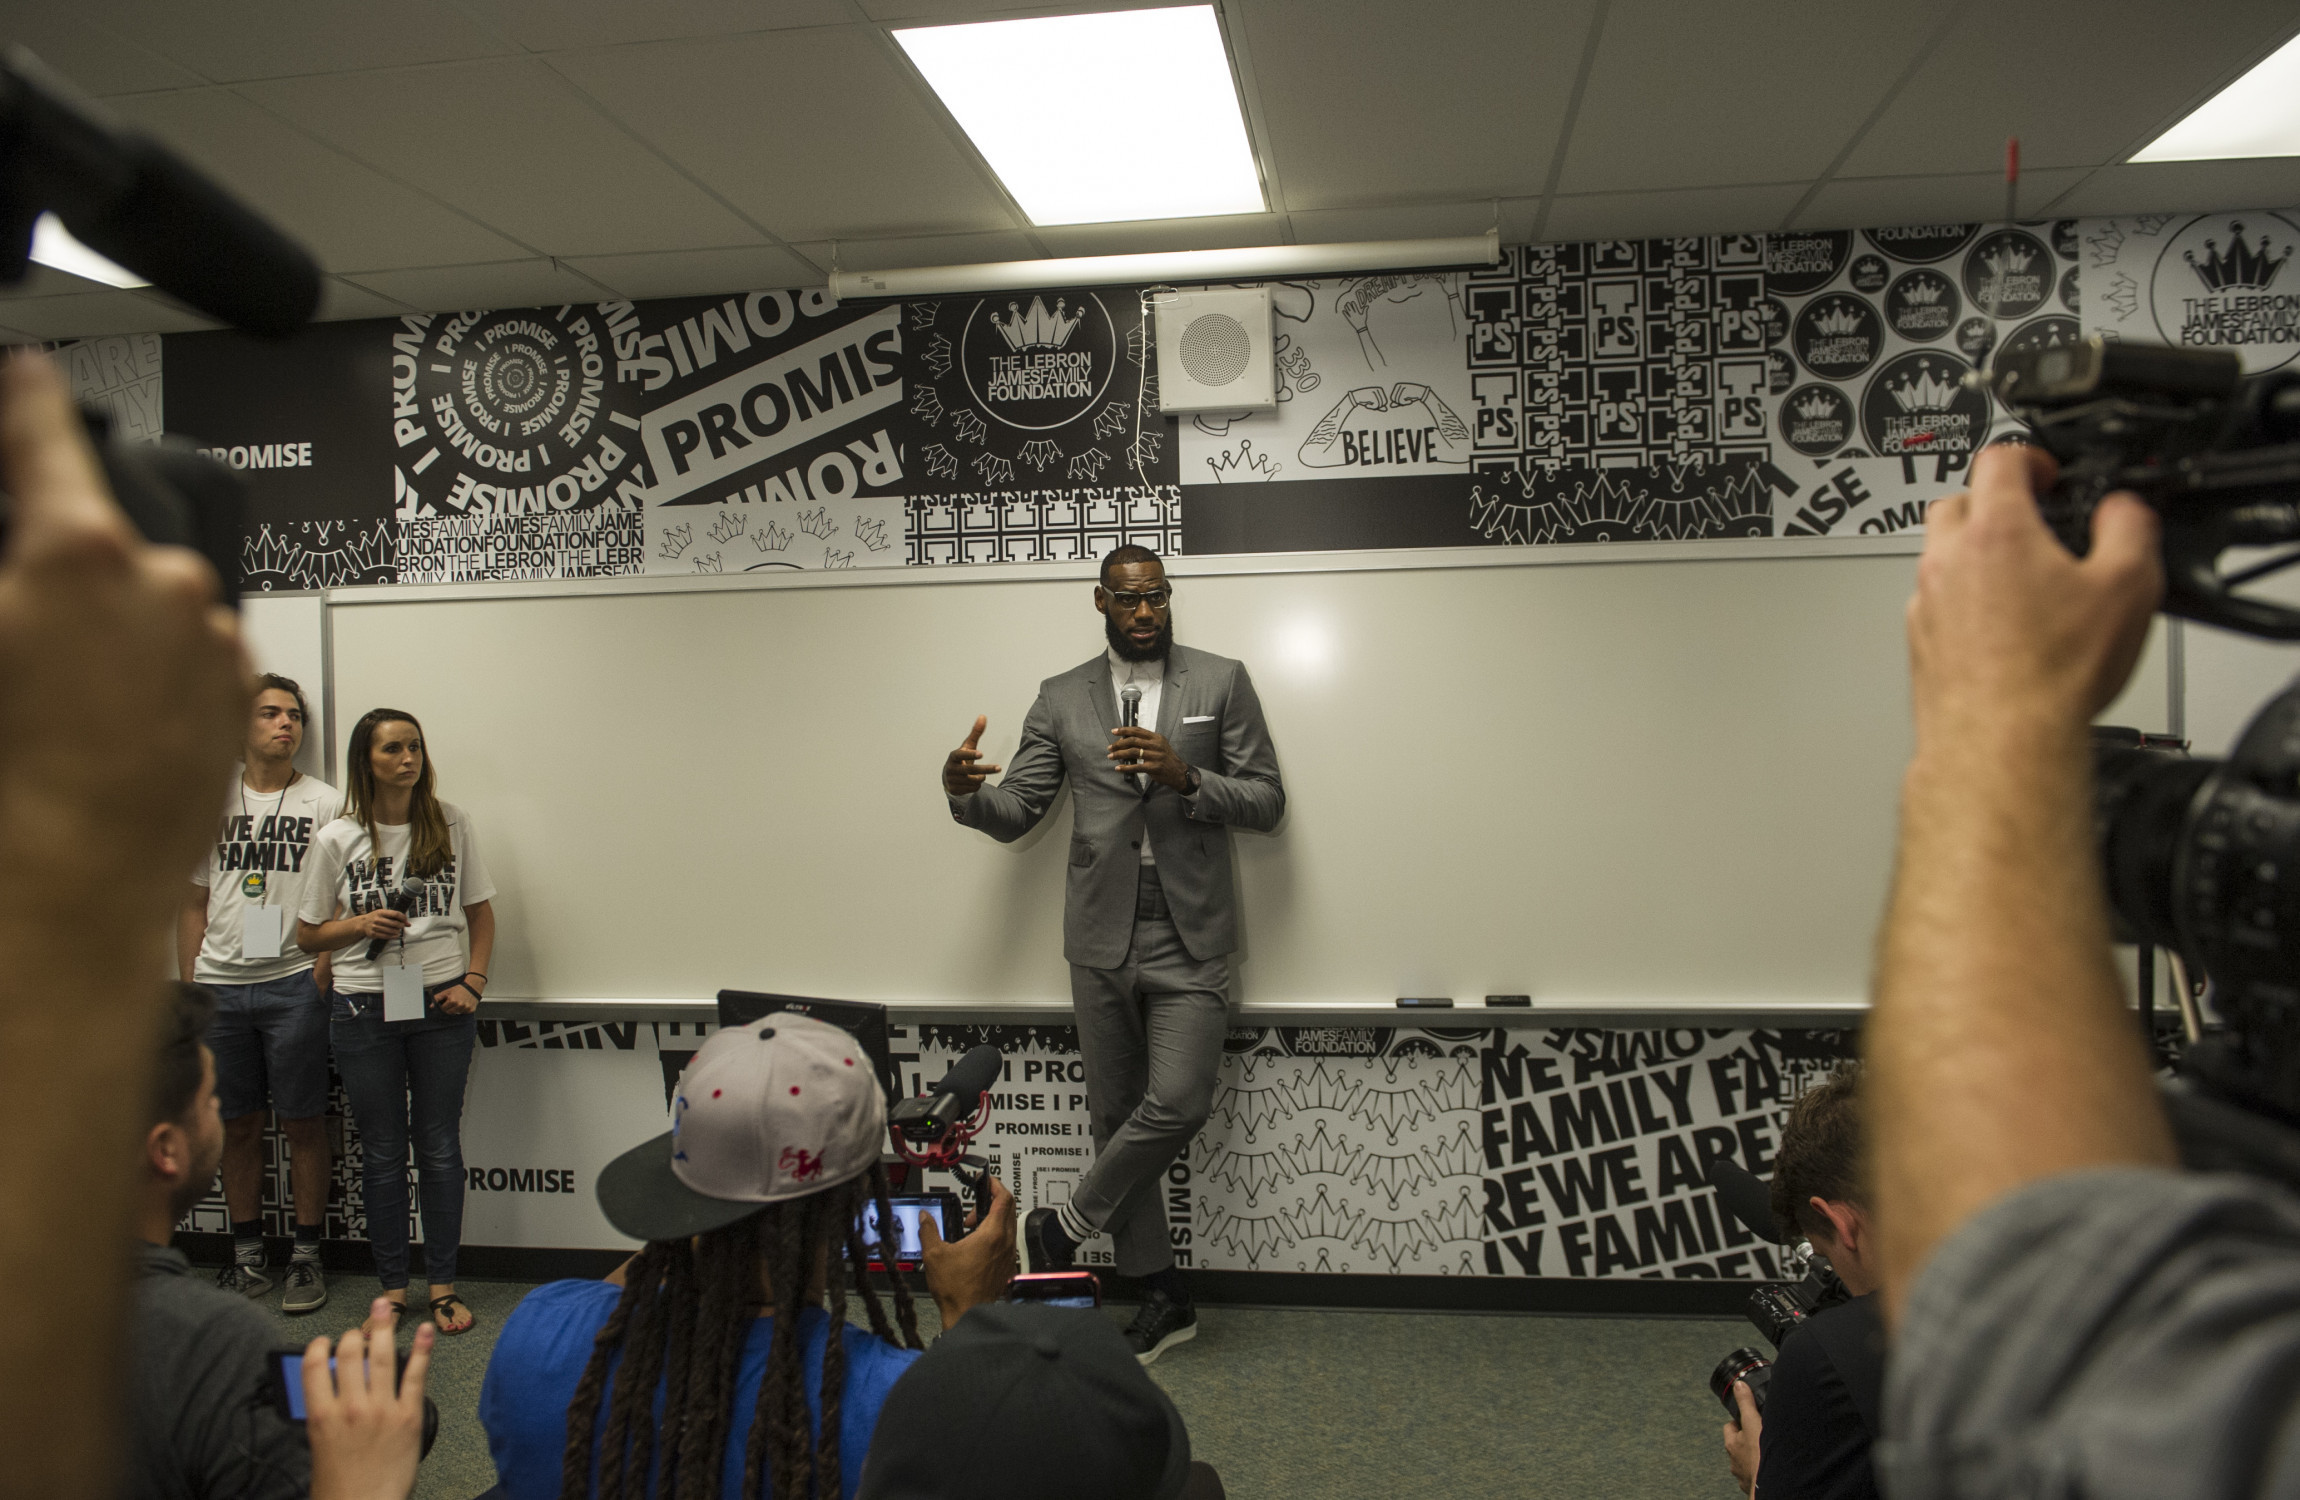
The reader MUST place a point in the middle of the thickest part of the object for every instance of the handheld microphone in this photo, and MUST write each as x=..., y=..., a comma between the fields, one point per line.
x=1131, y=700
x=402, y=901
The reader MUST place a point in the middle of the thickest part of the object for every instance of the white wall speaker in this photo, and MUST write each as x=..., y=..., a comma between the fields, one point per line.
x=1214, y=350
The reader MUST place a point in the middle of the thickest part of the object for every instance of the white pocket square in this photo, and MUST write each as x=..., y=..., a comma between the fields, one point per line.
x=1198, y=718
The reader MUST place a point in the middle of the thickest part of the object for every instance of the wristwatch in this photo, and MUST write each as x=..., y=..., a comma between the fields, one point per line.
x=1190, y=783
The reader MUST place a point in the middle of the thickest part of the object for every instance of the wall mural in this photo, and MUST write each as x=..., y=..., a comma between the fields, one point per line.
x=1560, y=1152
x=1797, y=384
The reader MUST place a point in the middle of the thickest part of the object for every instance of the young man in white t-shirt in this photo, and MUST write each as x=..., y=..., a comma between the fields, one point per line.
x=270, y=1038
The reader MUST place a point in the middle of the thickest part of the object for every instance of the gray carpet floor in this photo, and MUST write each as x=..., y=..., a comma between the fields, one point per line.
x=1336, y=1405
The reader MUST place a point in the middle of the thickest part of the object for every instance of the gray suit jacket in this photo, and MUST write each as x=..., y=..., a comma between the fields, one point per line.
x=1068, y=734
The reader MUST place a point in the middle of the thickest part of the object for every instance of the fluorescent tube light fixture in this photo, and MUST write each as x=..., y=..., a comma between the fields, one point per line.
x=2257, y=115
x=1097, y=119
x=53, y=246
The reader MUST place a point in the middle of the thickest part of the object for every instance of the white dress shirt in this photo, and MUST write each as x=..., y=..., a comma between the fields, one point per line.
x=1150, y=677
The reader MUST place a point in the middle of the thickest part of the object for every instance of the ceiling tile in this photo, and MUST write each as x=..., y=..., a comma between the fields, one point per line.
x=1225, y=232
x=514, y=146
x=340, y=301
x=1876, y=202
x=95, y=60
x=2081, y=82
x=47, y=281
x=553, y=25
x=2175, y=187
x=906, y=251
x=691, y=273
x=518, y=283
x=1675, y=98
x=91, y=314
x=349, y=216
x=1415, y=221
x=1365, y=103
x=1635, y=216
x=244, y=39
x=845, y=149
x=947, y=12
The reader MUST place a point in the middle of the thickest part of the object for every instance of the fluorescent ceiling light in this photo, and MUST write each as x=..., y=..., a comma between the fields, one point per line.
x=2257, y=115
x=1093, y=119
x=53, y=245
x=1257, y=263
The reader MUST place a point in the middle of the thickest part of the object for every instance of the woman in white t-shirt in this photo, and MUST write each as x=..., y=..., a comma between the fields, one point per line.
x=397, y=893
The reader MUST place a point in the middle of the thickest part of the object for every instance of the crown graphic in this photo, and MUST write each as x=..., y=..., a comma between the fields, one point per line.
x=1837, y=322
x=2008, y=260
x=1922, y=293
x=1927, y=392
x=1816, y=406
x=1038, y=328
x=2241, y=266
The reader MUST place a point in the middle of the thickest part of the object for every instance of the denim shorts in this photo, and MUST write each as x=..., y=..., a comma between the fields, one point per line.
x=270, y=1042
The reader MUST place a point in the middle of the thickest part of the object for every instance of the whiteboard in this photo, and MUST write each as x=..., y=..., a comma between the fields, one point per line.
x=1666, y=782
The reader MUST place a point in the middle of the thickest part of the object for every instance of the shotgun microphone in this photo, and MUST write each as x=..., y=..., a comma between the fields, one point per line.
x=402, y=901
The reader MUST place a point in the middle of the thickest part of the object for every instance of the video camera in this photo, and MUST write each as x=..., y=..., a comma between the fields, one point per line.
x=130, y=199
x=1777, y=1308
x=2215, y=454
x=934, y=1129
x=2201, y=857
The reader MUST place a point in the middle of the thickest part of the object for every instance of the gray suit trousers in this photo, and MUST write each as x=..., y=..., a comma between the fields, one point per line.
x=1151, y=1034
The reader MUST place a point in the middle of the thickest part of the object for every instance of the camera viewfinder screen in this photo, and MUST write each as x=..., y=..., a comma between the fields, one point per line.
x=906, y=1215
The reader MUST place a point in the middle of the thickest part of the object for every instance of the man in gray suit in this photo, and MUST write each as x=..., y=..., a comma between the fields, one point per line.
x=1166, y=752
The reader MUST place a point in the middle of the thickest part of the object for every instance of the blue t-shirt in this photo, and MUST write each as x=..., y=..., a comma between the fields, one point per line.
x=545, y=1343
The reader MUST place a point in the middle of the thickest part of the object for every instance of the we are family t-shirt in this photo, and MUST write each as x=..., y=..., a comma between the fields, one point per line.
x=346, y=872
x=261, y=860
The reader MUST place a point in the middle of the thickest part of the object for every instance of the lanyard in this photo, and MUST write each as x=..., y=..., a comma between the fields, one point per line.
x=263, y=884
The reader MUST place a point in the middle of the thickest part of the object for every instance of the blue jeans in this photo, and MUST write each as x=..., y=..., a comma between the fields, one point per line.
x=405, y=1081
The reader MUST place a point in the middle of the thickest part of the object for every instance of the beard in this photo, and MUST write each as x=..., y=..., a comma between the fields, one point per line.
x=1128, y=650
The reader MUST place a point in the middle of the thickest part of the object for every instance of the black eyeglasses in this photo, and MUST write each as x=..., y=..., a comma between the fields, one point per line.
x=1155, y=598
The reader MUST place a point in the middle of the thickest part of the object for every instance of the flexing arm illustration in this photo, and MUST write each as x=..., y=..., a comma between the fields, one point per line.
x=1321, y=449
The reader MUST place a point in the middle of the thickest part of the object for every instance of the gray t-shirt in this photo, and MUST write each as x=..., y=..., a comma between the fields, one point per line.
x=2117, y=1332
x=201, y=1423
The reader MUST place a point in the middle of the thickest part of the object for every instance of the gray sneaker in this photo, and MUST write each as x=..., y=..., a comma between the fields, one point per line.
x=306, y=1289
x=248, y=1281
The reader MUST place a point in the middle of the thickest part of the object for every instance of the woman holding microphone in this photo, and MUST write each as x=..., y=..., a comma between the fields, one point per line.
x=397, y=893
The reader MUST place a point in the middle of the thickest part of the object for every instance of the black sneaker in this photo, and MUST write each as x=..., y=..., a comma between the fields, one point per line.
x=247, y=1280
x=1160, y=1325
x=1048, y=1247
x=306, y=1288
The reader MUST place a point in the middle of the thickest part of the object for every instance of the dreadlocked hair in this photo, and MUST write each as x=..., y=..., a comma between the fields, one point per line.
x=685, y=1315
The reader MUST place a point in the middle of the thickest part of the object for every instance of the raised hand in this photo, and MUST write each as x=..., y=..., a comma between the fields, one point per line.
x=962, y=771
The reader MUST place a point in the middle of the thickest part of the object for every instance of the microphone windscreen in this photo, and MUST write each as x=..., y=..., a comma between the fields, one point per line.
x=971, y=1074
x=1747, y=1198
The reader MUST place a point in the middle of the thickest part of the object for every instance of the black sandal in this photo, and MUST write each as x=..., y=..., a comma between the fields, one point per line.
x=451, y=1299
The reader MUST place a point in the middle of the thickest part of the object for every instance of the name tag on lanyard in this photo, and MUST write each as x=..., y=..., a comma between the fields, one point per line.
x=403, y=992
x=261, y=929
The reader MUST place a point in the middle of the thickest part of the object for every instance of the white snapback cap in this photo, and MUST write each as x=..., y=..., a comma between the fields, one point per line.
x=780, y=1108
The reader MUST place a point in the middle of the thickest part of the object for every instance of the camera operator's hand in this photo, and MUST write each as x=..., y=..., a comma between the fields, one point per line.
x=123, y=698
x=976, y=1269
x=366, y=1438
x=2007, y=629
x=1742, y=1440
x=123, y=690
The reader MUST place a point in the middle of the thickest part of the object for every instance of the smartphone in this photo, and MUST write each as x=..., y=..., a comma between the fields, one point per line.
x=909, y=1210
x=1057, y=1289
x=287, y=1391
